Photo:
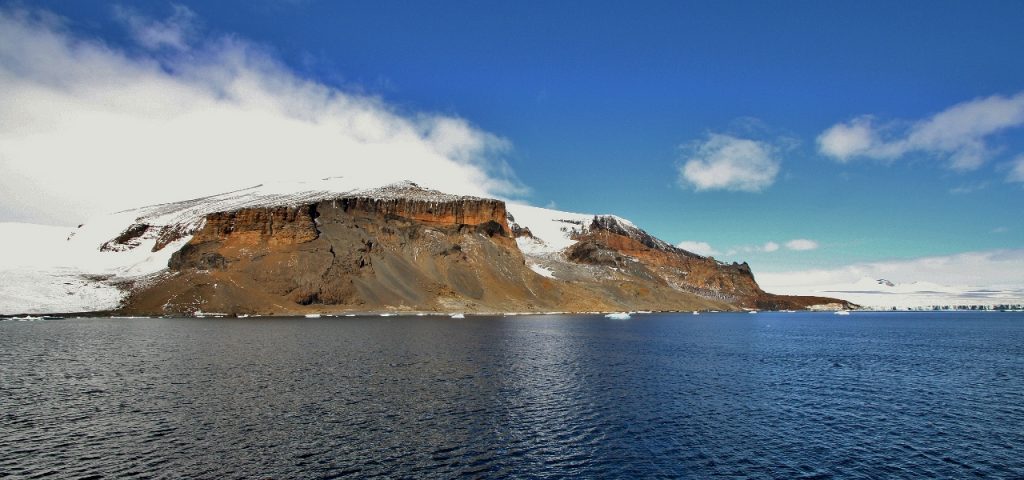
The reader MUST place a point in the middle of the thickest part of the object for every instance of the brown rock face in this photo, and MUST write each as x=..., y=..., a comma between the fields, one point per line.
x=349, y=253
x=272, y=227
x=130, y=238
x=457, y=212
x=610, y=243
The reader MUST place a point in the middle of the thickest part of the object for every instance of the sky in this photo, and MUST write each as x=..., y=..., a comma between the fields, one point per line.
x=793, y=135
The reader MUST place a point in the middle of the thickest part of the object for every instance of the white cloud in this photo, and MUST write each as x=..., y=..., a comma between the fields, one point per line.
x=724, y=162
x=768, y=247
x=86, y=128
x=968, y=188
x=798, y=244
x=958, y=134
x=846, y=140
x=700, y=248
x=986, y=277
x=1016, y=169
x=801, y=244
x=172, y=32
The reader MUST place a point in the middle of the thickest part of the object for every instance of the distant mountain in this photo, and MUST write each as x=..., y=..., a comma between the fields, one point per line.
x=334, y=246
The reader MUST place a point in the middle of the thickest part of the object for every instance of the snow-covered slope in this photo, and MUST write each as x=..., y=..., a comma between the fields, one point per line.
x=553, y=230
x=62, y=269
x=190, y=213
x=53, y=290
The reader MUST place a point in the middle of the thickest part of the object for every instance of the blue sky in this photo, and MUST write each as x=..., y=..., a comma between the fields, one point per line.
x=603, y=105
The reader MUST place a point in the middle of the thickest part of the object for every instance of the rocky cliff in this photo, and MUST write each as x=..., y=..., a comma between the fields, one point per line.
x=405, y=248
x=612, y=242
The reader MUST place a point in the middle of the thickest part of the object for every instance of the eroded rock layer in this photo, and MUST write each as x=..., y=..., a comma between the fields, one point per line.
x=612, y=243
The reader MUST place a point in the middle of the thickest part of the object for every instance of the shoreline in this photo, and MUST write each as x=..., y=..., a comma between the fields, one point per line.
x=455, y=314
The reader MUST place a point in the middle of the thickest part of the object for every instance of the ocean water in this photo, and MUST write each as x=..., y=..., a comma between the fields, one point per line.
x=772, y=395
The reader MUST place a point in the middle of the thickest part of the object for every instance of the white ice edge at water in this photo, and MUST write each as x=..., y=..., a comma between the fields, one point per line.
x=870, y=293
x=49, y=270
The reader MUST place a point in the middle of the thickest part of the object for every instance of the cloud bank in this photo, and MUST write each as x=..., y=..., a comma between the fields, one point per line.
x=705, y=249
x=700, y=248
x=87, y=128
x=959, y=135
x=725, y=162
x=1016, y=169
x=801, y=244
x=172, y=32
x=798, y=244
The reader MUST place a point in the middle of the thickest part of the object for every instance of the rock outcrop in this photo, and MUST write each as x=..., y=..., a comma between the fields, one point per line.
x=612, y=242
x=405, y=248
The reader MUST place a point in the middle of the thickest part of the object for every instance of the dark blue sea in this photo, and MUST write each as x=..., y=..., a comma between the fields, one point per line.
x=772, y=395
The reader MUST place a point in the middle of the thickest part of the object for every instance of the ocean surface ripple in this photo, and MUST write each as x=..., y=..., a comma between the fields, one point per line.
x=773, y=395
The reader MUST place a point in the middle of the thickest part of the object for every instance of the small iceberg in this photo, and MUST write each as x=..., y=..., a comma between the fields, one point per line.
x=458, y=315
x=618, y=316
